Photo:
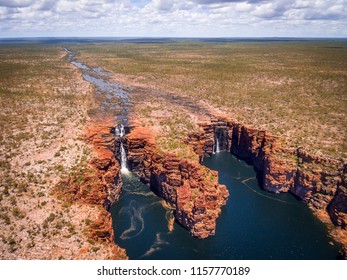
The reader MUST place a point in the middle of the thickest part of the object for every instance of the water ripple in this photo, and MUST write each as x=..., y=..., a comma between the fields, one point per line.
x=156, y=246
x=137, y=223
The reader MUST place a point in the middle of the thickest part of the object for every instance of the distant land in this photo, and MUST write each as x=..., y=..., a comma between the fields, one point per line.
x=173, y=148
x=166, y=39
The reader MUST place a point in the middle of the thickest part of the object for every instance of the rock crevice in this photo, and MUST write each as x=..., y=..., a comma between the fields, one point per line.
x=320, y=182
x=99, y=184
x=193, y=190
x=190, y=188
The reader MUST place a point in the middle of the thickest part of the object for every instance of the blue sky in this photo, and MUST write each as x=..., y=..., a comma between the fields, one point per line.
x=173, y=18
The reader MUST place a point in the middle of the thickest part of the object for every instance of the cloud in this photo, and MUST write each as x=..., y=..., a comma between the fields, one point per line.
x=227, y=1
x=243, y=7
x=202, y=18
x=322, y=10
x=273, y=10
x=47, y=5
x=16, y=3
x=163, y=5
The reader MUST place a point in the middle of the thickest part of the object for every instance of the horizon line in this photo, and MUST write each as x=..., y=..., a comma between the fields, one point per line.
x=169, y=37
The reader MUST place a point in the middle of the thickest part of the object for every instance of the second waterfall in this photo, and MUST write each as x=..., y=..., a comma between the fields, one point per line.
x=120, y=132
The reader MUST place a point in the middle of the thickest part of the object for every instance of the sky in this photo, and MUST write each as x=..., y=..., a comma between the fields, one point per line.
x=173, y=18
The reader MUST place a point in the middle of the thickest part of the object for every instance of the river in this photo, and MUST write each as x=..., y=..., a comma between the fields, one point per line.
x=254, y=224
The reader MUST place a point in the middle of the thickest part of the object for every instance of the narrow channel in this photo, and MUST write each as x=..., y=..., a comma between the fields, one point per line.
x=113, y=97
x=254, y=224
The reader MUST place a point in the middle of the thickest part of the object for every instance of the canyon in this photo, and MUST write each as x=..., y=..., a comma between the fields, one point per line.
x=98, y=182
x=79, y=172
x=319, y=182
x=191, y=189
x=98, y=185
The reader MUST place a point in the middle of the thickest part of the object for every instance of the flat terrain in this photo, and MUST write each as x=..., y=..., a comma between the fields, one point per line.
x=44, y=105
x=297, y=90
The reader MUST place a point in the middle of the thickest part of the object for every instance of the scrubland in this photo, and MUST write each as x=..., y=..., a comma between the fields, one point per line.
x=44, y=103
x=296, y=90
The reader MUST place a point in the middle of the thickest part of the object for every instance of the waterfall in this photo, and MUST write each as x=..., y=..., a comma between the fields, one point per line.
x=217, y=145
x=215, y=148
x=123, y=161
x=120, y=132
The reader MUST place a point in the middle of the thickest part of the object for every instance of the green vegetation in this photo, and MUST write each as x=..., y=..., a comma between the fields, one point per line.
x=296, y=90
x=44, y=103
x=293, y=89
x=174, y=129
x=35, y=84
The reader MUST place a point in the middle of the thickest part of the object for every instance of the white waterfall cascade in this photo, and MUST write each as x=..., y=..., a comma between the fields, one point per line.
x=120, y=131
x=217, y=145
x=215, y=148
x=123, y=161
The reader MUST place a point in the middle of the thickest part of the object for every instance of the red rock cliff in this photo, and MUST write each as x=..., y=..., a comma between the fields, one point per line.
x=99, y=184
x=190, y=188
x=320, y=182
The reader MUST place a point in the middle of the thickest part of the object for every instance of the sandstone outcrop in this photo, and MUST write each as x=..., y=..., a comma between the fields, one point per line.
x=102, y=138
x=190, y=188
x=320, y=182
x=338, y=208
x=99, y=184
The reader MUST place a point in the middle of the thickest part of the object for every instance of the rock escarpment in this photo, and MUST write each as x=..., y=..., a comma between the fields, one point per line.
x=338, y=208
x=320, y=182
x=98, y=184
x=103, y=141
x=190, y=188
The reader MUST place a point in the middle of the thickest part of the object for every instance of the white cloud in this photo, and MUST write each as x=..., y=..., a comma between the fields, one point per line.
x=163, y=5
x=243, y=7
x=16, y=3
x=173, y=18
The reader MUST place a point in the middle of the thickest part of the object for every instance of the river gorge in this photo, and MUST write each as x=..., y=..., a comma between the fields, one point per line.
x=175, y=209
x=254, y=224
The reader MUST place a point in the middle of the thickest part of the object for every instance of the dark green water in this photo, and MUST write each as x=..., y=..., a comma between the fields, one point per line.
x=253, y=225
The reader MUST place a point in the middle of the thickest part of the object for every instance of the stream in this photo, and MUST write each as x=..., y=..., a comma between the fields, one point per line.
x=254, y=224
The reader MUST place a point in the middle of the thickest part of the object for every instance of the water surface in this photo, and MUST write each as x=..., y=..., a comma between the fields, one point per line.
x=114, y=97
x=253, y=225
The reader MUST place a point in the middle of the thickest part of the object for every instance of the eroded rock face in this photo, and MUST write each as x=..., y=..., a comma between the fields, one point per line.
x=205, y=142
x=190, y=188
x=338, y=206
x=318, y=181
x=98, y=184
x=194, y=191
x=278, y=168
x=343, y=252
x=103, y=141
